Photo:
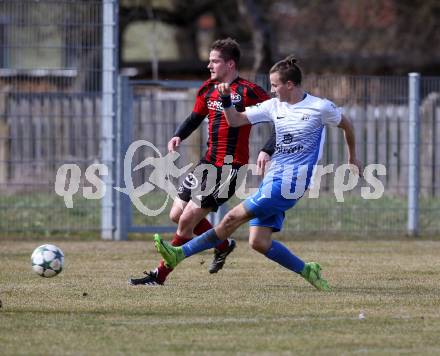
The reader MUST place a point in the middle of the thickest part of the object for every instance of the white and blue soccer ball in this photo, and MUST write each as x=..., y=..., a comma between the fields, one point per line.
x=47, y=260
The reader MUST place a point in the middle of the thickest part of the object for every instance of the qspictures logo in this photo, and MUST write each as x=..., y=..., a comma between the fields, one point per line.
x=203, y=181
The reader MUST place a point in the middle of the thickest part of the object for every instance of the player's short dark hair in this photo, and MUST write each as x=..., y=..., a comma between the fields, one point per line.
x=229, y=49
x=288, y=70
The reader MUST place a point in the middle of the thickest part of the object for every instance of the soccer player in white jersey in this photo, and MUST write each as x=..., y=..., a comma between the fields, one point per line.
x=300, y=120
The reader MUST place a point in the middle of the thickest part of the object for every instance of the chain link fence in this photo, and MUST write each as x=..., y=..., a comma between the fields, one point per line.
x=51, y=92
x=378, y=107
x=52, y=113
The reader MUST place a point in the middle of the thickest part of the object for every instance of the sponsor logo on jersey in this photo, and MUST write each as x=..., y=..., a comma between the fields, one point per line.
x=215, y=105
x=292, y=149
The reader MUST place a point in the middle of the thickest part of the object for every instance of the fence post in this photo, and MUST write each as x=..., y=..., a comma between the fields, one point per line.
x=123, y=139
x=4, y=151
x=413, y=154
x=108, y=114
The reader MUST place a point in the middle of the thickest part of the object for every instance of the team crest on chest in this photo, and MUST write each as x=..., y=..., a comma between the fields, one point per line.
x=235, y=97
x=287, y=139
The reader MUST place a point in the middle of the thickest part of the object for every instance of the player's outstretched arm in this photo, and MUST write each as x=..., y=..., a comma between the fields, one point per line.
x=233, y=117
x=185, y=129
x=350, y=140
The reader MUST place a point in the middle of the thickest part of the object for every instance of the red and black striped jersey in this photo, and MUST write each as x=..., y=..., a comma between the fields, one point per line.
x=224, y=140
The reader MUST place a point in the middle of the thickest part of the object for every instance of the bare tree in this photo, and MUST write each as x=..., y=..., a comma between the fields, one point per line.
x=363, y=36
x=259, y=28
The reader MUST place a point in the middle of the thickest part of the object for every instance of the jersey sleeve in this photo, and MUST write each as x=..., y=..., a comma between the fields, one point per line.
x=200, y=107
x=189, y=125
x=260, y=112
x=331, y=114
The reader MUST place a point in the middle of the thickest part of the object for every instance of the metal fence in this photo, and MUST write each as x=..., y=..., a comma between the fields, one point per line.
x=57, y=94
x=43, y=130
x=58, y=105
x=378, y=107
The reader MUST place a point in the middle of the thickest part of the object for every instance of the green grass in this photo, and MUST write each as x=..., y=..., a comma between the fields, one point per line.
x=252, y=306
x=45, y=214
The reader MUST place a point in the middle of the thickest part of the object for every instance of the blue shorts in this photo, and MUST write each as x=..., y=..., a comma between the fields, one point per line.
x=268, y=205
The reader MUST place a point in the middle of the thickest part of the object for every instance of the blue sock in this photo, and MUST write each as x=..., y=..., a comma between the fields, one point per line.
x=281, y=254
x=200, y=243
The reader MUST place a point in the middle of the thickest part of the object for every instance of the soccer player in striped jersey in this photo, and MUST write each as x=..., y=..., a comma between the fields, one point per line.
x=300, y=119
x=226, y=145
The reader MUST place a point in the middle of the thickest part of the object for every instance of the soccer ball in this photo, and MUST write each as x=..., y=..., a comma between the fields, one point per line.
x=47, y=260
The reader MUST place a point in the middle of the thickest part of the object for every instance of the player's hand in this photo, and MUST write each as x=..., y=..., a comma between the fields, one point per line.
x=358, y=166
x=224, y=89
x=174, y=143
x=263, y=162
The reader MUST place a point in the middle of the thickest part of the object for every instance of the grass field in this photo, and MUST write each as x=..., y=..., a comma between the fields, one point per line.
x=251, y=307
x=45, y=214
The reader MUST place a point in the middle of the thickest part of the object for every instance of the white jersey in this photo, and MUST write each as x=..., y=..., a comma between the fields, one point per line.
x=300, y=128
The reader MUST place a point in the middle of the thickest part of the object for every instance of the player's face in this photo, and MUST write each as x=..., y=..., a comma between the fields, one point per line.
x=218, y=67
x=278, y=88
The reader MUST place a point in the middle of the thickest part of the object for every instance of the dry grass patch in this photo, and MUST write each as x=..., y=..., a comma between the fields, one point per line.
x=252, y=306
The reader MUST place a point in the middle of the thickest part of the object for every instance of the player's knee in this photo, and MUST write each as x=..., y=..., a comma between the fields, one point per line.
x=259, y=245
x=187, y=222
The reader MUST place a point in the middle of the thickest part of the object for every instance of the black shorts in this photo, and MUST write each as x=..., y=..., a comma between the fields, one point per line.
x=207, y=187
